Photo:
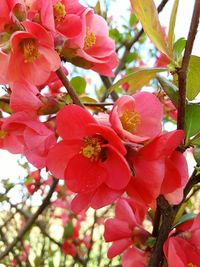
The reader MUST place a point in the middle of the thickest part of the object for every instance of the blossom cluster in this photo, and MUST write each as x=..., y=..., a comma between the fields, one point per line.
x=121, y=156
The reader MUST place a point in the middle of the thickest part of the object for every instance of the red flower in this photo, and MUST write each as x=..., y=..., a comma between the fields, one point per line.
x=184, y=249
x=137, y=118
x=126, y=228
x=33, y=56
x=159, y=169
x=90, y=158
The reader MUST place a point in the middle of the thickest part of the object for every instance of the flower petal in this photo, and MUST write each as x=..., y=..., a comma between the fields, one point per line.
x=71, y=122
x=117, y=169
x=60, y=155
x=84, y=175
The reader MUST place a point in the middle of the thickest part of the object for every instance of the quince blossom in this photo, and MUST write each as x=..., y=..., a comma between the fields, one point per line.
x=93, y=48
x=32, y=55
x=126, y=231
x=183, y=249
x=137, y=118
x=90, y=158
x=158, y=169
x=23, y=133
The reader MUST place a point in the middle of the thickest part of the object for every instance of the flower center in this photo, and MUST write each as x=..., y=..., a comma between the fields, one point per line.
x=191, y=265
x=92, y=147
x=90, y=39
x=30, y=50
x=2, y=134
x=130, y=120
x=59, y=12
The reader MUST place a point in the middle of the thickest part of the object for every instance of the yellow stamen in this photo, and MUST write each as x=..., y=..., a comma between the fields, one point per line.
x=130, y=120
x=90, y=39
x=3, y=134
x=191, y=265
x=92, y=147
x=30, y=50
x=59, y=12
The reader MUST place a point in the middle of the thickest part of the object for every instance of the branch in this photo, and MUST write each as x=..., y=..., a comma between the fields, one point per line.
x=31, y=221
x=38, y=224
x=182, y=72
x=168, y=215
x=69, y=88
x=107, y=83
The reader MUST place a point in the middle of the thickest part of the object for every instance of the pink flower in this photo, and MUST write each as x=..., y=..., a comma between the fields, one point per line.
x=24, y=97
x=126, y=228
x=94, y=44
x=158, y=169
x=184, y=249
x=23, y=133
x=32, y=55
x=33, y=182
x=69, y=248
x=90, y=159
x=7, y=17
x=137, y=118
x=134, y=257
x=59, y=16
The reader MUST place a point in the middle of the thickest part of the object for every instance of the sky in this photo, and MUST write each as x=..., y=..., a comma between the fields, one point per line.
x=9, y=166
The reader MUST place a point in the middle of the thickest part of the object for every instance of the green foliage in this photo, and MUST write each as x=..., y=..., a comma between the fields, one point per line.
x=192, y=125
x=137, y=79
x=178, y=48
x=170, y=89
x=79, y=84
x=196, y=153
x=146, y=12
x=185, y=218
x=172, y=24
x=193, y=81
x=68, y=231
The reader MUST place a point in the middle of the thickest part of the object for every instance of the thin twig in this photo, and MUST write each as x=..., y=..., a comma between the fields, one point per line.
x=31, y=221
x=182, y=72
x=107, y=83
x=69, y=88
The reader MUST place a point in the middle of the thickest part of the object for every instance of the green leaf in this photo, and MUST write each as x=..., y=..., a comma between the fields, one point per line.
x=150, y=242
x=147, y=13
x=185, y=218
x=196, y=153
x=137, y=79
x=170, y=89
x=193, y=77
x=132, y=20
x=178, y=48
x=79, y=84
x=68, y=231
x=192, y=125
x=172, y=24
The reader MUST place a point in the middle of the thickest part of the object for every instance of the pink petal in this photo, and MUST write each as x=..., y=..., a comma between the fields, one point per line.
x=84, y=175
x=71, y=122
x=104, y=196
x=116, y=229
x=81, y=202
x=71, y=26
x=118, y=247
x=148, y=105
x=117, y=169
x=124, y=212
x=162, y=146
x=147, y=181
x=60, y=155
x=134, y=257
